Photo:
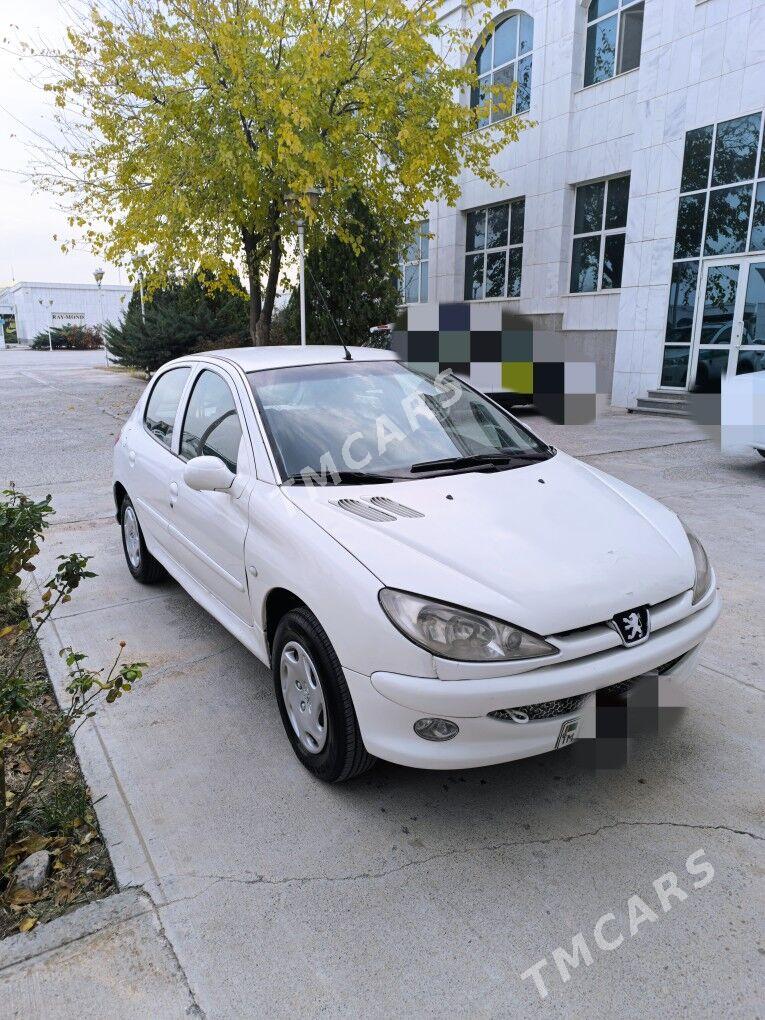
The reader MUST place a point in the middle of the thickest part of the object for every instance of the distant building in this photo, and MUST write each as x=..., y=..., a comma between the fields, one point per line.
x=630, y=218
x=38, y=306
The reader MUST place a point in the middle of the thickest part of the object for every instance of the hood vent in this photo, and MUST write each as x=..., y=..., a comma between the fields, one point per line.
x=394, y=508
x=365, y=510
x=378, y=508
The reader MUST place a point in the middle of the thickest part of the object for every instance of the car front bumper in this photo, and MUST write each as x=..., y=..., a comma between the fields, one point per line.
x=388, y=704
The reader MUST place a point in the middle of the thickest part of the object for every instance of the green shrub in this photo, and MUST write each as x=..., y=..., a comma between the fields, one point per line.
x=69, y=338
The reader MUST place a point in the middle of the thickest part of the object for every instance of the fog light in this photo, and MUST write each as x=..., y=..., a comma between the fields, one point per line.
x=436, y=729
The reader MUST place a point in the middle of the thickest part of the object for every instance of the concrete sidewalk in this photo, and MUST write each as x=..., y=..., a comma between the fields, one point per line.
x=404, y=892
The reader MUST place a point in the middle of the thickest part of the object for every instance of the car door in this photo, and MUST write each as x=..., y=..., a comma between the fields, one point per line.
x=151, y=462
x=208, y=529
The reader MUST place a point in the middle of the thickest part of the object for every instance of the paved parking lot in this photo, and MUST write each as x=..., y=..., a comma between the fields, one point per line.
x=407, y=892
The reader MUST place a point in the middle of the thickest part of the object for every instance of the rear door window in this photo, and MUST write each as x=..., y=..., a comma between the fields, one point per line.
x=211, y=427
x=162, y=405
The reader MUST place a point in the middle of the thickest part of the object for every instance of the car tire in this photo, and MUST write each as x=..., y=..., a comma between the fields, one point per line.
x=141, y=564
x=325, y=733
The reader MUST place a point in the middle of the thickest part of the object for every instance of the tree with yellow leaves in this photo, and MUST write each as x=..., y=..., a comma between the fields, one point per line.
x=197, y=132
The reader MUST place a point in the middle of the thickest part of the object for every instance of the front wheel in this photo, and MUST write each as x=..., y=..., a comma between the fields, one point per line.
x=314, y=700
x=141, y=563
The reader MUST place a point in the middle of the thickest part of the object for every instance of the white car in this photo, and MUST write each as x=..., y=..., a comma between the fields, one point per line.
x=428, y=581
x=742, y=410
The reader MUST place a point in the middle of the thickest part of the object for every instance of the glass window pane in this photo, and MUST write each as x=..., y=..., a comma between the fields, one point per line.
x=473, y=277
x=630, y=39
x=496, y=229
x=758, y=226
x=711, y=367
x=526, y=42
x=728, y=220
x=476, y=230
x=523, y=92
x=736, y=149
x=424, y=281
x=517, y=217
x=483, y=57
x=514, y=272
x=584, y=265
x=696, y=159
x=424, y=239
x=479, y=96
x=600, y=54
x=613, y=262
x=506, y=41
x=617, y=202
x=682, y=301
x=674, y=371
x=411, y=284
x=501, y=101
x=690, y=226
x=495, y=274
x=600, y=7
x=589, y=208
x=211, y=426
x=719, y=304
x=413, y=251
x=754, y=307
x=159, y=416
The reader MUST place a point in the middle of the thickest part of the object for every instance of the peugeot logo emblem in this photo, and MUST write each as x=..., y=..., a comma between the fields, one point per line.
x=633, y=627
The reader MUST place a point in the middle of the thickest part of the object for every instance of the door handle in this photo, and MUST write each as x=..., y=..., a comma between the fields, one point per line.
x=131, y=457
x=173, y=492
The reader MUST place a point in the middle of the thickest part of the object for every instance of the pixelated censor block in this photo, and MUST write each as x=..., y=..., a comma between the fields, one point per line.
x=503, y=355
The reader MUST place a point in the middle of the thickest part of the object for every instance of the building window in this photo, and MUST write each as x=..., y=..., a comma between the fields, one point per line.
x=600, y=222
x=721, y=211
x=614, y=38
x=414, y=266
x=494, y=251
x=505, y=58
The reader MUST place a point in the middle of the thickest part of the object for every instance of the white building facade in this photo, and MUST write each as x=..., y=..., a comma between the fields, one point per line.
x=38, y=306
x=631, y=217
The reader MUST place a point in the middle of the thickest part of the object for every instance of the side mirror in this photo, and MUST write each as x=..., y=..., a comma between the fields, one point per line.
x=208, y=474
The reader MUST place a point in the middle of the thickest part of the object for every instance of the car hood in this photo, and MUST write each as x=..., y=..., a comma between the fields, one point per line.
x=549, y=547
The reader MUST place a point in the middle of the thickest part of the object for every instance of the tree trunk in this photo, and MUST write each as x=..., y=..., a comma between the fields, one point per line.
x=250, y=242
x=262, y=300
x=263, y=332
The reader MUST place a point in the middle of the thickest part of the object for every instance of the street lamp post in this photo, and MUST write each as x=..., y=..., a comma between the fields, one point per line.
x=50, y=319
x=98, y=276
x=294, y=201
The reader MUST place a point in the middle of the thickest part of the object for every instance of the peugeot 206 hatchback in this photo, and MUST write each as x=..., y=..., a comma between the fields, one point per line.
x=428, y=581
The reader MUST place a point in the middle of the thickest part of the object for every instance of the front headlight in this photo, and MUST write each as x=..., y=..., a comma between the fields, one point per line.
x=460, y=634
x=703, y=569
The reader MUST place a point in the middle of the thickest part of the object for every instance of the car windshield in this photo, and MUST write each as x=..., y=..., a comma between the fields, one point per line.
x=385, y=419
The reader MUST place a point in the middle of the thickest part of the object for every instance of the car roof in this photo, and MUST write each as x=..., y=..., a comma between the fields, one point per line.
x=255, y=359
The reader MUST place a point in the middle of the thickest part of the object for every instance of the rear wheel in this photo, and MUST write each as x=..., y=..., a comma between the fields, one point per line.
x=314, y=700
x=141, y=563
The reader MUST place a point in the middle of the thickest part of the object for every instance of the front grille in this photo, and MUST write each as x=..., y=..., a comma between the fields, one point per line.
x=544, y=710
x=563, y=706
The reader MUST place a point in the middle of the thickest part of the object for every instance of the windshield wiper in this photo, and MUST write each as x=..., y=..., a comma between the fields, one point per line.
x=498, y=459
x=338, y=478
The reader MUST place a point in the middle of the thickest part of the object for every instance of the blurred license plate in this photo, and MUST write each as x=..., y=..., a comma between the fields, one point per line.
x=567, y=733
